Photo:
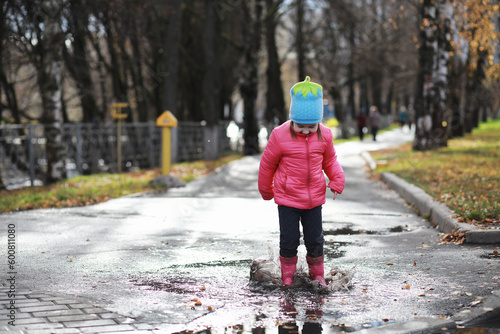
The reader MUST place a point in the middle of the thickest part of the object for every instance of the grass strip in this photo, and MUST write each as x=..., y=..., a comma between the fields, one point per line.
x=93, y=189
x=465, y=175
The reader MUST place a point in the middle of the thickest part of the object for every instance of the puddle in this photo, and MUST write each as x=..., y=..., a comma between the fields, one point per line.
x=108, y=215
x=347, y=229
x=266, y=273
x=181, y=287
x=217, y=264
x=332, y=250
x=376, y=214
x=491, y=256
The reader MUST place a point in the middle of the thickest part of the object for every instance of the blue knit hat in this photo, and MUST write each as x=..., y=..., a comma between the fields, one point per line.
x=307, y=102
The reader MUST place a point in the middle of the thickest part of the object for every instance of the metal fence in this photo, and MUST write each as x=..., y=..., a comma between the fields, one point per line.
x=92, y=148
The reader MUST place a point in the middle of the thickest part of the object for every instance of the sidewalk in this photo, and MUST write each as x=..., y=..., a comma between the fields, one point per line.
x=138, y=239
x=40, y=313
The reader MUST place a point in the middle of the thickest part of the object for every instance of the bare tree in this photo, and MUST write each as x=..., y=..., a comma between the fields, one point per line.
x=172, y=45
x=252, y=16
x=77, y=60
x=49, y=80
x=431, y=99
x=275, y=104
x=211, y=80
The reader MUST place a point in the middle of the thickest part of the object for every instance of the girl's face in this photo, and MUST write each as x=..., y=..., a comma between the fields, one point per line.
x=305, y=129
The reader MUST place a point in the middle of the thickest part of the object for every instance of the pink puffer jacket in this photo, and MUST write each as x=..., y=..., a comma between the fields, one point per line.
x=291, y=169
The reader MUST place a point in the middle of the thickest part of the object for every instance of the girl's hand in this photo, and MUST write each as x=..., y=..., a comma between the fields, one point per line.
x=334, y=194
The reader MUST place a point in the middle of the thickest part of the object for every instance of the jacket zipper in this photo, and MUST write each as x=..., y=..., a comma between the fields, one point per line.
x=308, y=172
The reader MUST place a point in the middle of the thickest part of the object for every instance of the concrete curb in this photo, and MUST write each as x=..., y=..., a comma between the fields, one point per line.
x=441, y=216
x=489, y=308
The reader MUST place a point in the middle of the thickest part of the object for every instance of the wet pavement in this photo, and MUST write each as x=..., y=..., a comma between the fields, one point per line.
x=181, y=262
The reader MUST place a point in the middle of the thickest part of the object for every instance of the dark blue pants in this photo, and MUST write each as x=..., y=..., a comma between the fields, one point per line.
x=290, y=233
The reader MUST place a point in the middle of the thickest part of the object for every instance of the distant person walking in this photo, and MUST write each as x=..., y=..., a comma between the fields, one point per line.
x=403, y=115
x=411, y=115
x=361, y=124
x=374, y=118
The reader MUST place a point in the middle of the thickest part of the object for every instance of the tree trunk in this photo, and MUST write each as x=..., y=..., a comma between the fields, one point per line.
x=275, y=104
x=77, y=63
x=457, y=80
x=118, y=75
x=172, y=45
x=141, y=95
x=441, y=117
x=334, y=92
x=474, y=96
x=425, y=84
x=300, y=41
x=249, y=85
x=376, y=78
x=431, y=102
x=5, y=85
x=211, y=82
x=350, y=74
x=49, y=80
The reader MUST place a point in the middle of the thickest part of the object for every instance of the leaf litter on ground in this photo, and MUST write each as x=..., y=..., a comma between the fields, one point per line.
x=464, y=175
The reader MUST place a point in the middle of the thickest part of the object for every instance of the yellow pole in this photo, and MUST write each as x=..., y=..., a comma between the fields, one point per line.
x=166, y=120
x=165, y=166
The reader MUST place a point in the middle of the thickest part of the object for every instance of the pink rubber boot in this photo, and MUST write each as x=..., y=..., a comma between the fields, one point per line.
x=288, y=267
x=316, y=268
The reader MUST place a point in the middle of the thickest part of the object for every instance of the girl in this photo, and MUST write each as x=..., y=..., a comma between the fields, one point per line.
x=291, y=172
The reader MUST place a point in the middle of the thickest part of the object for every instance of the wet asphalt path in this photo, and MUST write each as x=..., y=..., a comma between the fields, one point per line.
x=153, y=258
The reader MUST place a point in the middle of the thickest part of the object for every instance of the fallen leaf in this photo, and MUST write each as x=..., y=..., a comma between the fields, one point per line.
x=407, y=287
x=198, y=303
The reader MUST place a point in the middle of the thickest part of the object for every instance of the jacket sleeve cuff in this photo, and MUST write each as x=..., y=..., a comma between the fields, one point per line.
x=267, y=195
x=335, y=187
